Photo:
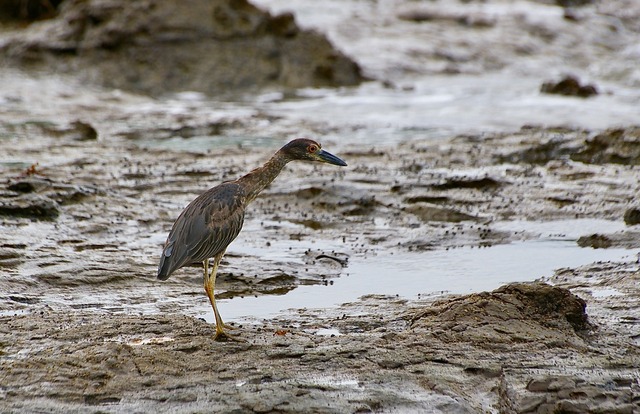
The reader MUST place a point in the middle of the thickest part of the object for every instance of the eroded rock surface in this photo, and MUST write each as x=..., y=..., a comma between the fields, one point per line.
x=386, y=355
x=75, y=284
x=511, y=314
x=158, y=47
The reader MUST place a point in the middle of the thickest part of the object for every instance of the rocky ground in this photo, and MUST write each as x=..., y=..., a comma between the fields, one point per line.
x=153, y=47
x=78, y=259
x=85, y=204
x=521, y=348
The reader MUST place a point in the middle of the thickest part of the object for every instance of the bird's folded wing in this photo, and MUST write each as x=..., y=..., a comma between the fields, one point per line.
x=205, y=228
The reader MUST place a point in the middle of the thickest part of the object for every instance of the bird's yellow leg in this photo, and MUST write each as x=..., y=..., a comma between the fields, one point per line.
x=209, y=287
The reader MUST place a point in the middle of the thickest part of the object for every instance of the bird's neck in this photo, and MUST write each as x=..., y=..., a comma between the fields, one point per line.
x=258, y=179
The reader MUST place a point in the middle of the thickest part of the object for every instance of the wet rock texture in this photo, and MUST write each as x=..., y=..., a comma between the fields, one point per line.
x=157, y=47
x=518, y=312
x=523, y=348
x=86, y=326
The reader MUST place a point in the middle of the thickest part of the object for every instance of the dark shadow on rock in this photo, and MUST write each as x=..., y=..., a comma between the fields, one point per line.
x=428, y=213
x=573, y=3
x=554, y=149
x=486, y=183
x=29, y=206
x=427, y=199
x=39, y=198
x=632, y=216
x=614, y=146
x=363, y=206
x=25, y=11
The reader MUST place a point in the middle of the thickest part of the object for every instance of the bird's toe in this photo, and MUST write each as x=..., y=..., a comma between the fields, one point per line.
x=225, y=337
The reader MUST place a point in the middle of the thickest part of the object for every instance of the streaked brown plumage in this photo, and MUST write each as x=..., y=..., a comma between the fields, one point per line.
x=214, y=219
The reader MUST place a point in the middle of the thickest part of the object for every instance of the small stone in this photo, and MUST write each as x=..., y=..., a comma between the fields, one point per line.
x=29, y=185
x=596, y=241
x=569, y=86
x=82, y=131
x=632, y=216
x=30, y=206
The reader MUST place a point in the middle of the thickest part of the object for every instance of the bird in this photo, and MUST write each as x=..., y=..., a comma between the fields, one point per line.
x=208, y=225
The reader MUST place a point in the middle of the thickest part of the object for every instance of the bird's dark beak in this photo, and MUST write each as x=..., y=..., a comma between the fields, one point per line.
x=329, y=158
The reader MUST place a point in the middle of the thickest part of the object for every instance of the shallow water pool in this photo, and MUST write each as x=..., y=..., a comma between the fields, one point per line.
x=463, y=270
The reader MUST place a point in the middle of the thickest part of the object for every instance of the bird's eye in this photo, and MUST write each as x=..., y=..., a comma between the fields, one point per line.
x=313, y=148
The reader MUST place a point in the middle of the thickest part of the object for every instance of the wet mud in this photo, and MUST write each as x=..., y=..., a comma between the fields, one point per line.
x=521, y=348
x=83, y=313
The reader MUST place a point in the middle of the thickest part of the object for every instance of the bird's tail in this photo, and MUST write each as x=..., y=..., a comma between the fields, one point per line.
x=164, y=269
x=166, y=263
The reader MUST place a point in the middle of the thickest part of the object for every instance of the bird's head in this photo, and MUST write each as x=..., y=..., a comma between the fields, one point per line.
x=308, y=150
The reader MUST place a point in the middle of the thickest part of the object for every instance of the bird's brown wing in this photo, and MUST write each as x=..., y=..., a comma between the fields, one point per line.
x=204, y=229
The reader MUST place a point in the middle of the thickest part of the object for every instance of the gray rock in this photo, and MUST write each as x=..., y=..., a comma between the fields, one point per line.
x=33, y=206
x=160, y=46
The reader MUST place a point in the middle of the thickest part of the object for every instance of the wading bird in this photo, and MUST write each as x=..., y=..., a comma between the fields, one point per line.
x=212, y=221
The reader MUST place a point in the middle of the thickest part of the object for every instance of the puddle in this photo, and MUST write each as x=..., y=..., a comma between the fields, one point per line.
x=327, y=332
x=333, y=381
x=561, y=230
x=139, y=341
x=14, y=312
x=376, y=115
x=605, y=293
x=399, y=115
x=411, y=275
x=148, y=341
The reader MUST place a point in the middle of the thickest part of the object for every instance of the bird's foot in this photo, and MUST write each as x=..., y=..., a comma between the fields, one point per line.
x=230, y=327
x=222, y=336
